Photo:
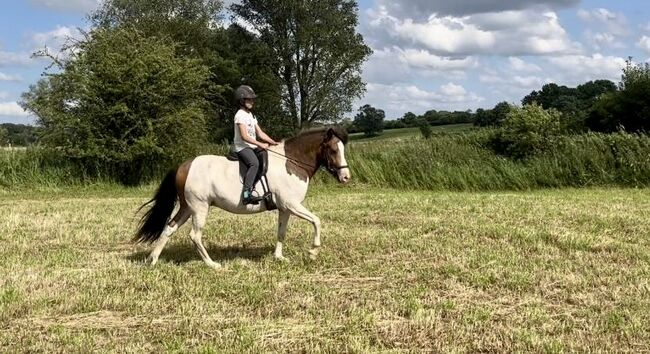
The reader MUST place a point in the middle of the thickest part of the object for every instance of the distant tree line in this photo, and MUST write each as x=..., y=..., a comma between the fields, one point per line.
x=17, y=134
x=600, y=106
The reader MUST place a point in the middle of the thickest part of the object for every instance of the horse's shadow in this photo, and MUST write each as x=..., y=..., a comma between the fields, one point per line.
x=184, y=253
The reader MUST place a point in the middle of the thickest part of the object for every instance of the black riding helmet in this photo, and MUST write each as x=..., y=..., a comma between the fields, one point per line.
x=244, y=92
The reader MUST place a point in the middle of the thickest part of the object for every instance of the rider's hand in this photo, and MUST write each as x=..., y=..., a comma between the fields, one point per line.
x=274, y=143
x=264, y=146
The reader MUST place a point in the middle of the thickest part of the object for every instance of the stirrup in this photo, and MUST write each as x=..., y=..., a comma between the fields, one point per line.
x=252, y=199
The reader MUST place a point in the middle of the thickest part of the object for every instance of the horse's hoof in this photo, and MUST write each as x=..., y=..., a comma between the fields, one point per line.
x=313, y=253
x=214, y=265
x=281, y=259
x=150, y=261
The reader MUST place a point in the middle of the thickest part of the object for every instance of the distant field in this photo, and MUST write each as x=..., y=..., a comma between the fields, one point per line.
x=13, y=148
x=546, y=271
x=410, y=132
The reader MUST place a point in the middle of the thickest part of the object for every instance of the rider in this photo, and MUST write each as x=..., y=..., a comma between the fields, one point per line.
x=246, y=144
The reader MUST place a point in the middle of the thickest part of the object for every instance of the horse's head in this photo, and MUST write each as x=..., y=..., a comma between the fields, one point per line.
x=332, y=152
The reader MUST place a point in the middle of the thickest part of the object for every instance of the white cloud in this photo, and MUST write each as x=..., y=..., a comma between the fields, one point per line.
x=615, y=23
x=577, y=69
x=423, y=8
x=394, y=64
x=608, y=28
x=423, y=59
x=12, y=109
x=528, y=82
x=644, y=43
x=13, y=59
x=517, y=64
x=55, y=39
x=81, y=6
x=600, y=40
x=504, y=33
x=5, y=77
x=399, y=99
x=4, y=95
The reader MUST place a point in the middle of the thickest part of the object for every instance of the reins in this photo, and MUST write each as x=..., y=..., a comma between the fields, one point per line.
x=331, y=169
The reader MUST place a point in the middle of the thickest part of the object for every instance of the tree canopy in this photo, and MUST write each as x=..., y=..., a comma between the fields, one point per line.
x=317, y=53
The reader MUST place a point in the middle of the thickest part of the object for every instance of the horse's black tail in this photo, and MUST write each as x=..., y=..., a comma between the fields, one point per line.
x=154, y=220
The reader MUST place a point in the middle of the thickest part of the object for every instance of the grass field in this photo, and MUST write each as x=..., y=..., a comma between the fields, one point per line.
x=544, y=271
x=408, y=133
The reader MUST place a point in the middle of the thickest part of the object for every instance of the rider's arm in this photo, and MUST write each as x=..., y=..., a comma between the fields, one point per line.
x=263, y=135
x=247, y=138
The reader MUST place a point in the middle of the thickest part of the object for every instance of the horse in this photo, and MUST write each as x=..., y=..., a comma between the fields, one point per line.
x=210, y=180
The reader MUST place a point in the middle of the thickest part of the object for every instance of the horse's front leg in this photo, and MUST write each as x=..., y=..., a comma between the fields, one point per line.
x=300, y=211
x=283, y=221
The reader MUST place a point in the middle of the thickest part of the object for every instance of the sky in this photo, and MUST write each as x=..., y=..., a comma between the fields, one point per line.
x=427, y=54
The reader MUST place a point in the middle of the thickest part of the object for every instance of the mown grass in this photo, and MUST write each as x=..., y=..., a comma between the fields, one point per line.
x=543, y=271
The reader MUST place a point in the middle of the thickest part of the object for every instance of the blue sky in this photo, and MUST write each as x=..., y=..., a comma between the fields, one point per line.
x=428, y=54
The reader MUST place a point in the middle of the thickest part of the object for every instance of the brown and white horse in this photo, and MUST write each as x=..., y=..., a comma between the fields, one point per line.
x=214, y=181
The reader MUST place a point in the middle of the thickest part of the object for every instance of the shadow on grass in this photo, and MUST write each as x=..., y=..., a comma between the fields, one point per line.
x=183, y=253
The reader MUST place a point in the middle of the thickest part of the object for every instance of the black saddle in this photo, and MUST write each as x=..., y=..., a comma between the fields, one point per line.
x=263, y=158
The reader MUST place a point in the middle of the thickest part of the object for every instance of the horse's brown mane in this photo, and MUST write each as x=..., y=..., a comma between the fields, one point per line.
x=319, y=133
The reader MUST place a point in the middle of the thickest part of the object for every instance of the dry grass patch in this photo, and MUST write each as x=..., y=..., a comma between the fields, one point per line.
x=545, y=271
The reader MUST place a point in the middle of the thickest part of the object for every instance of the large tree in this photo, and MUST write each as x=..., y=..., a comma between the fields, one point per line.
x=194, y=25
x=124, y=100
x=317, y=51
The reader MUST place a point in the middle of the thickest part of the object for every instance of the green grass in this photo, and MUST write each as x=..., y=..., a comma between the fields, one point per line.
x=544, y=271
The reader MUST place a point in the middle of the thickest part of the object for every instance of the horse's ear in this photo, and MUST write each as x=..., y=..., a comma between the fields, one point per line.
x=330, y=134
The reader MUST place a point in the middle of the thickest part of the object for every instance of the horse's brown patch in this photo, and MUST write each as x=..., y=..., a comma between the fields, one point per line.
x=305, y=152
x=181, y=177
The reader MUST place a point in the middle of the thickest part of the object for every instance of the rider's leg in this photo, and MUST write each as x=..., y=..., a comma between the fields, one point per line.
x=252, y=163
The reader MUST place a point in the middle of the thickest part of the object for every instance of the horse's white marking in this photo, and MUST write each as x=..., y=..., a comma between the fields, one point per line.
x=214, y=181
x=344, y=173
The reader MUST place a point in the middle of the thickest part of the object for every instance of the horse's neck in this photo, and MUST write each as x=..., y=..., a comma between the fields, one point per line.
x=303, y=153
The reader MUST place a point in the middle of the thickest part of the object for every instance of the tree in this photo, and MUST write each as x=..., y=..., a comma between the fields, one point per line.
x=317, y=51
x=409, y=119
x=193, y=26
x=370, y=120
x=628, y=108
x=123, y=100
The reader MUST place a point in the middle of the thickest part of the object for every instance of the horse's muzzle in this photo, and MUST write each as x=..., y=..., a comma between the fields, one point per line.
x=344, y=175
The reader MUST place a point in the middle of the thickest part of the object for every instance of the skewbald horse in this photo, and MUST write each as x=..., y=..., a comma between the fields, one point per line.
x=215, y=181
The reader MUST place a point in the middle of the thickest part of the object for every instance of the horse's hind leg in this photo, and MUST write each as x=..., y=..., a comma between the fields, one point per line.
x=198, y=221
x=179, y=219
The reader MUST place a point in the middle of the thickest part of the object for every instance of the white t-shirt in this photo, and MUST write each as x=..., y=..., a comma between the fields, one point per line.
x=249, y=122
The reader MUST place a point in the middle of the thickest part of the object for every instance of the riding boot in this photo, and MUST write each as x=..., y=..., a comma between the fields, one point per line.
x=249, y=198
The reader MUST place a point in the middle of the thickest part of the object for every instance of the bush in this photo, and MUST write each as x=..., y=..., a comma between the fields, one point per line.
x=627, y=109
x=124, y=101
x=425, y=129
x=528, y=131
